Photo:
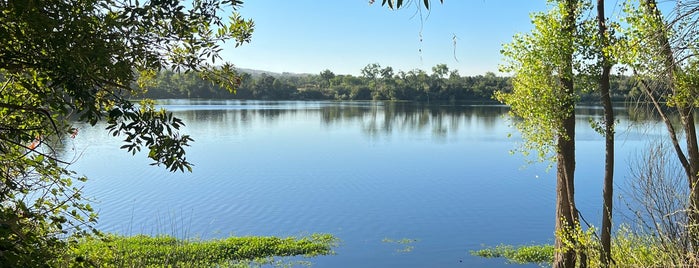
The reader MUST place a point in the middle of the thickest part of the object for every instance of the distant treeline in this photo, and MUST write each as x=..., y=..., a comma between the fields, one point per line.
x=375, y=83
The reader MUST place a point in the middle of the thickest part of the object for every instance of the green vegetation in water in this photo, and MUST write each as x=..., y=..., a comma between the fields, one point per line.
x=541, y=254
x=166, y=251
x=405, y=244
x=628, y=250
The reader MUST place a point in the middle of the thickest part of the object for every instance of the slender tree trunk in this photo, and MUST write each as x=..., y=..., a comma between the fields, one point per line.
x=566, y=211
x=606, y=98
x=687, y=119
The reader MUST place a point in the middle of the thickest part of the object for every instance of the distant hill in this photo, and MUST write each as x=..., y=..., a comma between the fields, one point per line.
x=256, y=73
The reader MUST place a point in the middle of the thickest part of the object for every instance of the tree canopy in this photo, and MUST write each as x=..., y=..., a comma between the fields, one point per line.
x=66, y=60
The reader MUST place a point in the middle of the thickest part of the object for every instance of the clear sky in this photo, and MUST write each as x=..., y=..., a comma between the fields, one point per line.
x=308, y=36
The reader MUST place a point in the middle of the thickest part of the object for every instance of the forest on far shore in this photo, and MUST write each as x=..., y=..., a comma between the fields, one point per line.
x=375, y=83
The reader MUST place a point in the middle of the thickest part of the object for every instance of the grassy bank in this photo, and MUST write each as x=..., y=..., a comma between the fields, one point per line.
x=167, y=251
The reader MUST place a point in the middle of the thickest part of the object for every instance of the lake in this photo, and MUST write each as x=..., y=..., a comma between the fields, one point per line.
x=370, y=173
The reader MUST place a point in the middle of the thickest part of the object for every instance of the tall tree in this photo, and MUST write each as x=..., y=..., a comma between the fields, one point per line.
x=83, y=59
x=372, y=72
x=327, y=75
x=440, y=70
x=439, y=75
x=606, y=99
x=387, y=72
x=662, y=53
x=543, y=96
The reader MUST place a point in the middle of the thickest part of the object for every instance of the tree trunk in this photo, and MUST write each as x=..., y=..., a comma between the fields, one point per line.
x=606, y=99
x=566, y=211
x=687, y=119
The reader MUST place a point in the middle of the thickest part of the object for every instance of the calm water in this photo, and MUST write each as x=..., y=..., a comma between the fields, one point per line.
x=363, y=171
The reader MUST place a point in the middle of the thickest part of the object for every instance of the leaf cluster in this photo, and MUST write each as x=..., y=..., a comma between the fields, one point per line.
x=396, y=4
x=156, y=130
x=540, y=61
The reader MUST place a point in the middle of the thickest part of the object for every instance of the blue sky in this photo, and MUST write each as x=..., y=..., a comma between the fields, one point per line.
x=308, y=36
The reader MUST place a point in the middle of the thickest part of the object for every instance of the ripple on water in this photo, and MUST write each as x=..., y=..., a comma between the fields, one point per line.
x=266, y=168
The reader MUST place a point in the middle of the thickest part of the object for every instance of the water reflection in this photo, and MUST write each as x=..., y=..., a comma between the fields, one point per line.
x=364, y=171
x=378, y=120
x=375, y=119
x=387, y=118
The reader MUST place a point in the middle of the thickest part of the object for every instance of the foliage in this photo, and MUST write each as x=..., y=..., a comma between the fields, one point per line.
x=400, y=3
x=639, y=48
x=66, y=60
x=575, y=239
x=538, y=62
x=539, y=254
x=141, y=127
x=629, y=249
x=32, y=219
x=166, y=251
x=640, y=250
x=661, y=50
x=412, y=85
x=544, y=97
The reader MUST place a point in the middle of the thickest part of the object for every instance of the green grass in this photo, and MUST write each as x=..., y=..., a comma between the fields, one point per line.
x=167, y=251
x=628, y=250
x=539, y=254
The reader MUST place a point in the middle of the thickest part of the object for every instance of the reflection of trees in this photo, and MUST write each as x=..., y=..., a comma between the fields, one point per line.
x=386, y=118
x=239, y=118
x=373, y=118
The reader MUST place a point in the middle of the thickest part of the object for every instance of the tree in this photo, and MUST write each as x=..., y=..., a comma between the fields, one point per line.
x=606, y=99
x=439, y=73
x=387, y=72
x=263, y=87
x=544, y=98
x=83, y=59
x=388, y=83
x=372, y=73
x=440, y=70
x=327, y=75
x=662, y=54
x=455, y=87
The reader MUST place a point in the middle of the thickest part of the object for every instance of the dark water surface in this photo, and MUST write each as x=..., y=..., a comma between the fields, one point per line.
x=367, y=172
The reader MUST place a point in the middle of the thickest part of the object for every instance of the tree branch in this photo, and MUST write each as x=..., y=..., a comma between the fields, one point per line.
x=668, y=125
